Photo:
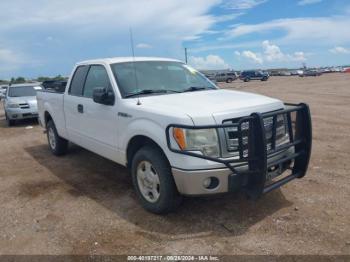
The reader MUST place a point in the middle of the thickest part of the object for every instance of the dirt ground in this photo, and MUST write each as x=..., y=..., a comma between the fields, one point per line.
x=84, y=204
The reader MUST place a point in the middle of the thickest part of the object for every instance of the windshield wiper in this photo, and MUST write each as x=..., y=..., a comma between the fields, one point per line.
x=151, y=91
x=196, y=88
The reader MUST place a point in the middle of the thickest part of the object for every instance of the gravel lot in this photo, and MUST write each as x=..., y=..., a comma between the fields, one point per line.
x=84, y=204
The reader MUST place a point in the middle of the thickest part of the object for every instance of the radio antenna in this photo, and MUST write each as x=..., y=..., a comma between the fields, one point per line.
x=133, y=63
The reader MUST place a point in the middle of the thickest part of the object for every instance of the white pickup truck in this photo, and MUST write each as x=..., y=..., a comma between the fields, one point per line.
x=176, y=131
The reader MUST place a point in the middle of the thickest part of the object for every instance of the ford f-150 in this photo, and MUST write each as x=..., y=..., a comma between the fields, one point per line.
x=176, y=131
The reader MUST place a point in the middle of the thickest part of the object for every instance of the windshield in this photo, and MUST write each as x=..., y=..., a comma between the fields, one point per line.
x=135, y=77
x=18, y=91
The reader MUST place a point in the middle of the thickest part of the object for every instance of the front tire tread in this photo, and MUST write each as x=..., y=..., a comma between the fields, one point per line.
x=169, y=198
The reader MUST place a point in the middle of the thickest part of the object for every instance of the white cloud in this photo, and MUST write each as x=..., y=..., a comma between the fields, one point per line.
x=178, y=19
x=339, y=50
x=271, y=54
x=209, y=62
x=221, y=46
x=9, y=60
x=308, y=2
x=229, y=17
x=242, y=4
x=143, y=45
x=299, y=56
x=325, y=30
x=253, y=57
x=165, y=24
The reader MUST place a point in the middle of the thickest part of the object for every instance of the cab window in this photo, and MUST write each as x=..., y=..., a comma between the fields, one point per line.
x=77, y=83
x=96, y=77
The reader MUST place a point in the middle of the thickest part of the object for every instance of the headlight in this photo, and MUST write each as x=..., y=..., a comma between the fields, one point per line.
x=203, y=140
x=12, y=105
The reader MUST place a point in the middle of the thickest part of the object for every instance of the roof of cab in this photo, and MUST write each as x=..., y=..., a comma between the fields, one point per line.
x=114, y=60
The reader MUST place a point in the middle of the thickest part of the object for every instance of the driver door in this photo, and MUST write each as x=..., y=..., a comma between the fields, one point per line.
x=98, y=122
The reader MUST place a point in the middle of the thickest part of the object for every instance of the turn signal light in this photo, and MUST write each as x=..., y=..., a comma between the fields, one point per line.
x=179, y=136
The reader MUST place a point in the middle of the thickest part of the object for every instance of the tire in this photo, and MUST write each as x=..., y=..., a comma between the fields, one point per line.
x=57, y=144
x=229, y=80
x=9, y=122
x=246, y=79
x=166, y=198
x=264, y=79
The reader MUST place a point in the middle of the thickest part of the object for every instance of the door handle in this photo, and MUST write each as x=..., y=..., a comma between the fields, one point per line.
x=80, y=108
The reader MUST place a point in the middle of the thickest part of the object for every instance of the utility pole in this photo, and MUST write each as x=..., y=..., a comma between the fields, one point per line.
x=186, y=55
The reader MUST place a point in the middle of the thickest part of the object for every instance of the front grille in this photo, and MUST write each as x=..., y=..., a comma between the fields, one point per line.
x=273, y=141
x=281, y=135
x=24, y=106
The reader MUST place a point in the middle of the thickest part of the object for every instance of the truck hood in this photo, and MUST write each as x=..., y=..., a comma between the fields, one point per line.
x=212, y=106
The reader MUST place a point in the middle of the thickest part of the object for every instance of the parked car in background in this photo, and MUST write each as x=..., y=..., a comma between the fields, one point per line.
x=300, y=72
x=311, y=73
x=246, y=76
x=227, y=77
x=176, y=131
x=274, y=73
x=285, y=73
x=3, y=89
x=55, y=85
x=20, y=102
x=211, y=78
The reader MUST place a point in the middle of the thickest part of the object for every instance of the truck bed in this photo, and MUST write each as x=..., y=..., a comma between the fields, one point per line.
x=52, y=102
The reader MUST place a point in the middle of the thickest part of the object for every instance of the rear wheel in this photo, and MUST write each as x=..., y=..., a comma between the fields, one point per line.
x=246, y=79
x=153, y=181
x=229, y=80
x=57, y=144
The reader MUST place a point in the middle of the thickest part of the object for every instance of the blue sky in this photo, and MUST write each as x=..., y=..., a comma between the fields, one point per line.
x=47, y=37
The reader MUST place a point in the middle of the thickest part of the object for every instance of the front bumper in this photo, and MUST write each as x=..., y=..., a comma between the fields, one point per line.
x=256, y=172
x=191, y=182
x=18, y=113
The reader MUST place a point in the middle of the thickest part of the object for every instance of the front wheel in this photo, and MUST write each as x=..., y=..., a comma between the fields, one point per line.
x=9, y=121
x=57, y=144
x=153, y=181
x=229, y=80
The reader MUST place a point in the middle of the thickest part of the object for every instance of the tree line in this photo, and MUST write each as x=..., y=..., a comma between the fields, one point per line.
x=21, y=80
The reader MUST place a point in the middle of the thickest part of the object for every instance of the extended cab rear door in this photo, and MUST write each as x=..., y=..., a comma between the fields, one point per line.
x=72, y=99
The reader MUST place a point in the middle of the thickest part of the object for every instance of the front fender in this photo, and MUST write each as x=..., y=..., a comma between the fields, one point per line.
x=143, y=127
x=156, y=132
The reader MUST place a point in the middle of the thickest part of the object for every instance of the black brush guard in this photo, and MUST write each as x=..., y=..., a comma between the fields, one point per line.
x=256, y=161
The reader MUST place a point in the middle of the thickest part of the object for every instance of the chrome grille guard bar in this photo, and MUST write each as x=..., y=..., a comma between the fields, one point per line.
x=300, y=138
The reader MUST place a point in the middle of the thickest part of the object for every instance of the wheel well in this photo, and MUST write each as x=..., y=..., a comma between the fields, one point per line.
x=47, y=117
x=136, y=143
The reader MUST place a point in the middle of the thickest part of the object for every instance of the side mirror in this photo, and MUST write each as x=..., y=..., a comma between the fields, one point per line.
x=102, y=95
